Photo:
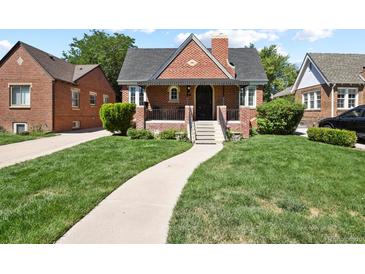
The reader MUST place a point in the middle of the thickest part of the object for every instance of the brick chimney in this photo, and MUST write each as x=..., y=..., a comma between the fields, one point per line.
x=220, y=51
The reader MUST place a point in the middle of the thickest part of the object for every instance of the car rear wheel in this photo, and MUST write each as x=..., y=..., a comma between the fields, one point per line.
x=327, y=126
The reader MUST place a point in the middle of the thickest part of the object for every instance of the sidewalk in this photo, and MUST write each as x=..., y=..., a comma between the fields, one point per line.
x=140, y=210
x=27, y=150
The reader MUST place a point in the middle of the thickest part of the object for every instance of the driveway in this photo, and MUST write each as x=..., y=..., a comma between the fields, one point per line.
x=19, y=152
x=303, y=132
x=139, y=211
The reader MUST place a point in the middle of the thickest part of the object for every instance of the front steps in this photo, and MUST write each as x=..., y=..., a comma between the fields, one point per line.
x=208, y=132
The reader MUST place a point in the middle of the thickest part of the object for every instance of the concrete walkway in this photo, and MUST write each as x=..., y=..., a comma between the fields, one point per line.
x=139, y=211
x=22, y=151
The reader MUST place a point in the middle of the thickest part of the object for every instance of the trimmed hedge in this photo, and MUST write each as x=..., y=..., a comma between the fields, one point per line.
x=279, y=116
x=117, y=117
x=168, y=134
x=143, y=134
x=332, y=136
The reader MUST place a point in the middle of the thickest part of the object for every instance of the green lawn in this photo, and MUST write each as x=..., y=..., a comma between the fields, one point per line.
x=274, y=189
x=42, y=198
x=9, y=138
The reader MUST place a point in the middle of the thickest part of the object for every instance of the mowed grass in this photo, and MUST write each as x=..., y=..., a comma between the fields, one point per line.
x=274, y=189
x=9, y=138
x=42, y=198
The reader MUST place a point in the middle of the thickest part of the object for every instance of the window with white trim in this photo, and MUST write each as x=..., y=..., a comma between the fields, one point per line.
x=312, y=100
x=75, y=124
x=20, y=127
x=347, y=98
x=136, y=95
x=247, y=96
x=75, y=97
x=92, y=98
x=174, y=94
x=105, y=99
x=20, y=95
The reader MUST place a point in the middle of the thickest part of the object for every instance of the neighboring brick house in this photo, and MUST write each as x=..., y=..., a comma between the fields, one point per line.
x=329, y=84
x=39, y=90
x=174, y=86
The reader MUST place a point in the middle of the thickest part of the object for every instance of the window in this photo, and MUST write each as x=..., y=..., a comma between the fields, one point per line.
x=305, y=100
x=92, y=98
x=312, y=100
x=75, y=98
x=20, y=95
x=105, y=99
x=346, y=98
x=20, y=127
x=352, y=114
x=136, y=95
x=75, y=124
x=247, y=96
x=174, y=94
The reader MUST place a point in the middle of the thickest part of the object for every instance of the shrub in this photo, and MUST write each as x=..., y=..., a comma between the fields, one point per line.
x=182, y=136
x=117, y=117
x=332, y=136
x=24, y=133
x=279, y=116
x=168, y=134
x=139, y=134
x=2, y=130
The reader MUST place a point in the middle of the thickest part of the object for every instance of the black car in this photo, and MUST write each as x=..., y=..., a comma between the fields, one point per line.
x=353, y=119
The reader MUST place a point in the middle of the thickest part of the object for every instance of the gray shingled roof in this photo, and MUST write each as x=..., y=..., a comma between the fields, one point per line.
x=284, y=92
x=341, y=68
x=54, y=66
x=141, y=64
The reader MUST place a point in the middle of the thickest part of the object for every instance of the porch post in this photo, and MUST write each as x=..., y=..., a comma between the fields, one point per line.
x=140, y=117
x=245, y=121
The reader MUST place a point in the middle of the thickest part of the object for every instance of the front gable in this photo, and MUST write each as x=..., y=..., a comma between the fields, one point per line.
x=193, y=62
x=311, y=77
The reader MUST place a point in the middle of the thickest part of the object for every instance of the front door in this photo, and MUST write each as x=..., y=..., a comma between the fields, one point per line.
x=204, y=103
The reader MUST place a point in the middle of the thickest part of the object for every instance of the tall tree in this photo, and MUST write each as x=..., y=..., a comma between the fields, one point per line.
x=99, y=47
x=280, y=72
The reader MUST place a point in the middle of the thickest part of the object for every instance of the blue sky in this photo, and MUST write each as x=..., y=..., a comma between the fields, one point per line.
x=293, y=42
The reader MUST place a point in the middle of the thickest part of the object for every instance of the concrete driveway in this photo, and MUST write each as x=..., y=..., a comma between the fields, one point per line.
x=19, y=152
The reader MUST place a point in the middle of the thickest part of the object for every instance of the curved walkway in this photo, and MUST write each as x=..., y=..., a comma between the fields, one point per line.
x=139, y=211
x=27, y=150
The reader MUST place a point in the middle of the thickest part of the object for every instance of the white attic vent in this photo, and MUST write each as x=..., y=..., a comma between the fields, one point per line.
x=192, y=62
x=20, y=61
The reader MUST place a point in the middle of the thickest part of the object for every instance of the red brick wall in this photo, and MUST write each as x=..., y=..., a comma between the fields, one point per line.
x=205, y=67
x=88, y=115
x=158, y=127
x=40, y=111
x=311, y=117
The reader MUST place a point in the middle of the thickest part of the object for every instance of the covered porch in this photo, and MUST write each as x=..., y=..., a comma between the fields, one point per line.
x=178, y=103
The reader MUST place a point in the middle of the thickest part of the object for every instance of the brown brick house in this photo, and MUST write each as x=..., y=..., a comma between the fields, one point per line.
x=39, y=90
x=329, y=84
x=174, y=87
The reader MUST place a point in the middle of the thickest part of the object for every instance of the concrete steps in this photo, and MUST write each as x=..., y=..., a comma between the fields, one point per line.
x=208, y=132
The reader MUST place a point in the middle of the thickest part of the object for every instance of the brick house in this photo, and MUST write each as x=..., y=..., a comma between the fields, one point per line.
x=178, y=87
x=329, y=84
x=39, y=90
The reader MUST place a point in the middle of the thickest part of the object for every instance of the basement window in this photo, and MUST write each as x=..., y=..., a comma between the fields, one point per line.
x=19, y=128
x=75, y=124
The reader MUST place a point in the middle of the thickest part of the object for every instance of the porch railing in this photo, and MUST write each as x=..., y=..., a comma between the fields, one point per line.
x=233, y=114
x=166, y=114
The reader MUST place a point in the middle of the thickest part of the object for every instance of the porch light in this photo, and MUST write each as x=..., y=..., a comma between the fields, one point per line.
x=188, y=88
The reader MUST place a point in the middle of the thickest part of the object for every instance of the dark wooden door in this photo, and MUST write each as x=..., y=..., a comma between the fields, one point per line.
x=204, y=103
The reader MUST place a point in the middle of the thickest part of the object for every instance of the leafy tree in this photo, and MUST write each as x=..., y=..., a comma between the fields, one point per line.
x=99, y=47
x=279, y=71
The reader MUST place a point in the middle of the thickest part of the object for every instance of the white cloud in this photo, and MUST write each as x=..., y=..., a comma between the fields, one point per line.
x=237, y=38
x=5, y=44
x=147, y=30
x=313, y=34
x=281, y=50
